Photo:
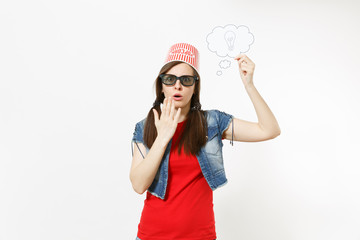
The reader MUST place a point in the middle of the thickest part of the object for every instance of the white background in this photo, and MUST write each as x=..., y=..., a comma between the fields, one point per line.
x=75, y=77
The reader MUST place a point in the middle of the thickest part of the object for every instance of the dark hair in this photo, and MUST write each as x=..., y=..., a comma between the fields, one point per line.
x=195, y=130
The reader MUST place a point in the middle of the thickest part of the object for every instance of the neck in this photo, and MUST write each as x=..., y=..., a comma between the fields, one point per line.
x=184, y=113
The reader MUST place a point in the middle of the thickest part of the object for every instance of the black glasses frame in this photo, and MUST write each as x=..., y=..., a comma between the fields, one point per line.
x=181, y=78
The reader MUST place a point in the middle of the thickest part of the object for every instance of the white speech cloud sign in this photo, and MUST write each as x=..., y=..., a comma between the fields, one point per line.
x=230, y=40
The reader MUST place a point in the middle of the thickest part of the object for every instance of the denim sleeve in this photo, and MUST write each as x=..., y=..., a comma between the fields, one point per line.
x=137, y=137
x=224, y=119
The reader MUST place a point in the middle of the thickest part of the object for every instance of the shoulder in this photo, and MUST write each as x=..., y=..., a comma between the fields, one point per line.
x=212, y=113
x=218, y=118
x=211, y=117
x=139, y=126
x=141, y=122
x=215, y=114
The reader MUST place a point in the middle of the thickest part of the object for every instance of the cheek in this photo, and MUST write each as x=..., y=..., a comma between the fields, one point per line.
x=165, y=90
x=191, y=91
x=166, y=93
x=189, y=94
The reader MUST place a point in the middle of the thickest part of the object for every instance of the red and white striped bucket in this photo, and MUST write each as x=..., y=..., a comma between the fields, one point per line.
x=184, y=52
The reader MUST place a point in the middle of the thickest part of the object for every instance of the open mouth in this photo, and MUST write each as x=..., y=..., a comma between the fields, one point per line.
x=177, y=97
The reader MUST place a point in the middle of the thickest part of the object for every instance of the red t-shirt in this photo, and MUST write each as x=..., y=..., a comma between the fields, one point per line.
x=187, y=212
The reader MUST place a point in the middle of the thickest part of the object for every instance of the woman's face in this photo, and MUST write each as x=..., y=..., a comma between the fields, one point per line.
x=185, y=93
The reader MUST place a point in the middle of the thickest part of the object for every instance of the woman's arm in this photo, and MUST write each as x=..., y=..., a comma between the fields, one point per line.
x=143, y=170
x=267, y=126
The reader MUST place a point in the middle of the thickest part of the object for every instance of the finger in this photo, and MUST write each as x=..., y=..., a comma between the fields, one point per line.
x=245, y=66
x=177, y=116
x=172, y=111
x=168, y=106
x=163, y=109
x=238, y=57
x=241, y=60
x=241, y=55
x=248, y=61
x=156, y=115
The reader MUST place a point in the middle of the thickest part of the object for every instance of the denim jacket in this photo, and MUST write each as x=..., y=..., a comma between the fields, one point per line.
x=210, y=156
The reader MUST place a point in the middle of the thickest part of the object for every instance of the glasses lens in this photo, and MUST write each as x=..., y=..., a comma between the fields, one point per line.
x=187, y=80
x=168, y=79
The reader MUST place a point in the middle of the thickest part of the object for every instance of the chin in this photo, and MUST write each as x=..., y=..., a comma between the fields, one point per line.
x=180, y=105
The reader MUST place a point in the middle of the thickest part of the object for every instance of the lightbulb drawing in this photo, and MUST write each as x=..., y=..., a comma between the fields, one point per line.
x=230, y=39
x=238, y=40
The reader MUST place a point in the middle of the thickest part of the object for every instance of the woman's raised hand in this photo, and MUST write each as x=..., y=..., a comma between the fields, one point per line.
x=167, y=123
x=247, y=68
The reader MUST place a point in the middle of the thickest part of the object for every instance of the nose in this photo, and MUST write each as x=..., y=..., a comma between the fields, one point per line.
x=178, y=84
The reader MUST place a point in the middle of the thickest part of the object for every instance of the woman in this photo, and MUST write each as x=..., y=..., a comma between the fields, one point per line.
x=177, y=150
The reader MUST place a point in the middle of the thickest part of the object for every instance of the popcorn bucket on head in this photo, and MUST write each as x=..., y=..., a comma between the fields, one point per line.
x=183, y=52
